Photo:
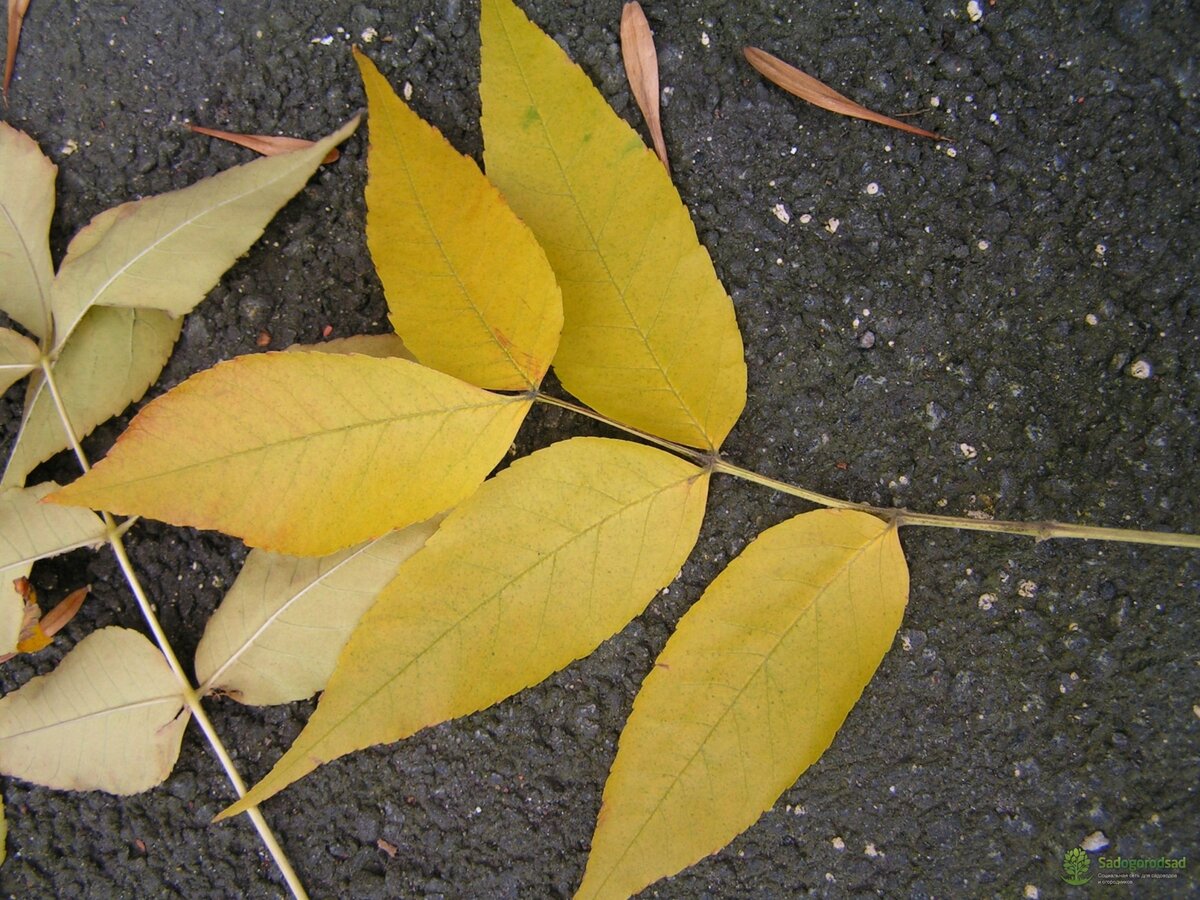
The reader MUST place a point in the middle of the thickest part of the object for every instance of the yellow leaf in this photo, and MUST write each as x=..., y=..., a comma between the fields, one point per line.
x=277, y=634
x=107, y=363
x=18, y=357
x=549, y=558
x=166, y=252
x=304, y=453
x=649, y=336
x=747, y=694
x=468, y=288
x=381, y=345
x=109, y=718
x=31, y=530
x=26, y=204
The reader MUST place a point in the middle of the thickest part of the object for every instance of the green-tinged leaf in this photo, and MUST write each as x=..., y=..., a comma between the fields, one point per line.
x=3, y=833
x=304, y=453
x=110, y=361
x=468, y=287
x=649, y=335
x=109, y=718
x=747, y=694
x=26, y=204
x=278, y=632
x=166, y=252
x=18, y=357
x=553, y=555
x=383, y=346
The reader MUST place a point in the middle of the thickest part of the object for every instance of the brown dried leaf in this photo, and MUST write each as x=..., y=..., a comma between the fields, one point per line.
x=641, y=67
x=53, y=621
x=808, y=88
x=16, y=15
x=266, y=144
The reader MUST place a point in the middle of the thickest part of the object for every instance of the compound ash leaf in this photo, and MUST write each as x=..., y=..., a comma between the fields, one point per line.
x=26, y=204
x=31, y=530
x=467, y=285
x=18, y=357
x=804, y=86
x=108, y=362
x=109, y=718
x=748, y=693
x=649, y=335
x=277, y=634
x=304, y=453
x=549, y=558
x=166, y=252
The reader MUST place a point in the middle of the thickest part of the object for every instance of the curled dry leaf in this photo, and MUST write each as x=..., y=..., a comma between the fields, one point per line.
x=808, y=88
x=641, y=67
x=16, y=15
x=266, y=144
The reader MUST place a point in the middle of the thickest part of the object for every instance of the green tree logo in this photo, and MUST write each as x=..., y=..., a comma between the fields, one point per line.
x=1075, y=866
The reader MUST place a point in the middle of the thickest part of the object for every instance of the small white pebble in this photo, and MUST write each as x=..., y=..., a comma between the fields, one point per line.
x=1091, y=319
x=1031, y=892
x=704, y=39
x=872, y=188
x=984, y=245
x=870, y=851
x=832, y=225
x=69, y=147
x=1196, y=710
x=951, y=152
x=838, y=844
x=1141, y=368
x=994, y=119
x=369, y=34
x=1027, y=589
x=974, y=13
x=805, y=219
x=1101, y=249
x=987, y=601
x=323, y=41
x=935, y=101
x=967, y=451
x=1094, y=842
x=780, y=212
x=407, y=90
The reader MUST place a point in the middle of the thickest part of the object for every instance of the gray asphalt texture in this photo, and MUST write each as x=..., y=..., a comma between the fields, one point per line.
x=967, y=338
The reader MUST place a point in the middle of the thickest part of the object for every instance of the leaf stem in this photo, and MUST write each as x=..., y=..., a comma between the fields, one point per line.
x=1042, y=531
x=187, y=691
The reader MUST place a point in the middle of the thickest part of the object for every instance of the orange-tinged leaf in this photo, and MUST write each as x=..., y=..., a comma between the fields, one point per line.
x=16, y=17
x=380, y=345
x=549, y=558
x=747, y=694
x=815, y=92
x=304, y=453
x=467, y=285
x=266, y=144
x=26, y=205
x=641, y=68
x=649, y=335
x=53, y=621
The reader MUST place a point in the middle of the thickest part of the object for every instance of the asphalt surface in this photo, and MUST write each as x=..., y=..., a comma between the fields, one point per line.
x=957, y=327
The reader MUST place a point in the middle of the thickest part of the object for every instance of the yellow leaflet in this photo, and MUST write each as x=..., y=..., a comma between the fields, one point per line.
x=468, y=288
x=649, y=335
x=26, y=204
x=18, y=357
x=107, y=363
x=304, y=453
x=549, y=558
x=747, y=694
x=166, y=252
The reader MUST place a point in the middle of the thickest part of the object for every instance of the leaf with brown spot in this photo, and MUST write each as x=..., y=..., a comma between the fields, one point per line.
x=641, y=67
x=266, y=144
x=808, y=88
